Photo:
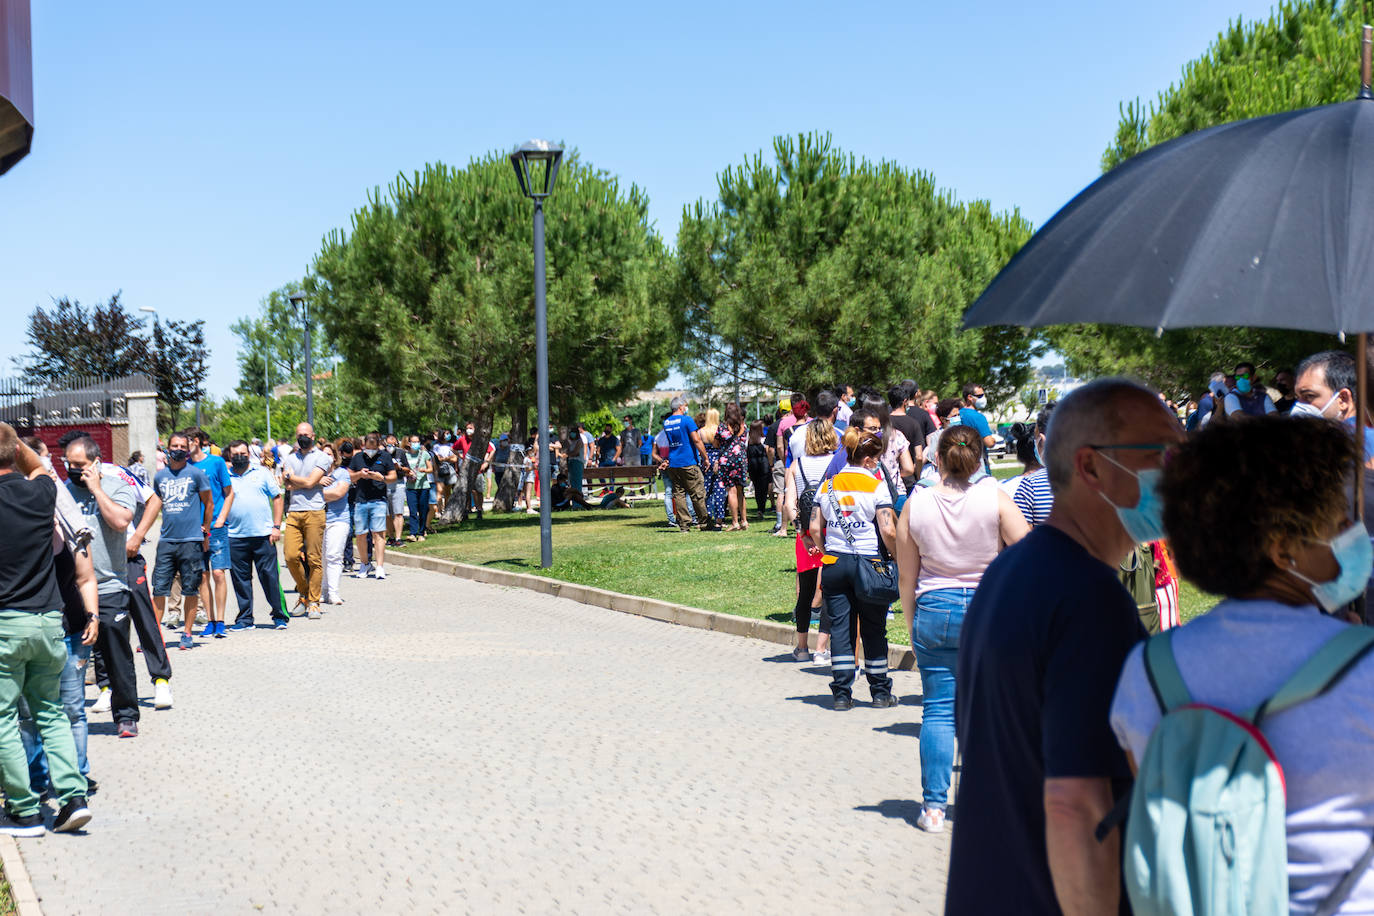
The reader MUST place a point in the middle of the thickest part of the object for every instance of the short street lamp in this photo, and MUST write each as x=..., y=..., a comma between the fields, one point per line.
x=298, y=299
x=536, y=168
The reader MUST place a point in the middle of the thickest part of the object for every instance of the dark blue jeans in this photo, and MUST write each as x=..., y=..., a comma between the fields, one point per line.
x=850, y=612
x=244, y=554
x=418, y=503
x=935, y=638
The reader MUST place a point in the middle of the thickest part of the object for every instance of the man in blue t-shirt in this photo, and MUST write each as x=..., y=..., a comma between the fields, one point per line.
x=254, y=529
x=1040, y=650
x=971, y=413
x=684, y=447
x=217, y=557
x=181, y=492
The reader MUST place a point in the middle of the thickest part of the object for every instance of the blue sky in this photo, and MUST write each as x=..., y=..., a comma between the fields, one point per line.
x=194, y=155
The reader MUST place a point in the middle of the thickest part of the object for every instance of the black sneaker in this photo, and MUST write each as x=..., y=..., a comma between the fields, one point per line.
x=884, y=700
x=73, y=816
x=127, y=728
x=16, y=825
x=92, y=787
x=843, y=702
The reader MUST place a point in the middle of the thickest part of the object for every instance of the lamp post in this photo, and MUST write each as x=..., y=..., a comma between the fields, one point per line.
x=536, y=169
x=298, y=299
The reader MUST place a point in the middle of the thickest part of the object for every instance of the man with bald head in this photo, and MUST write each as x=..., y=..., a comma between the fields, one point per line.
x=1041, y=648
x=303, y=535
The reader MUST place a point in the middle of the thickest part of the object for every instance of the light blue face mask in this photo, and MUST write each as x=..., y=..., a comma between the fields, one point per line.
x=1355, y=555
x=1144, y=522
x=957, y=421
x=1243, y=385
x=1039, y=458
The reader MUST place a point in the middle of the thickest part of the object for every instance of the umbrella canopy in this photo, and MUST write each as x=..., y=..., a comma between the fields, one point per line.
x=1267, y=222
x=16, y=83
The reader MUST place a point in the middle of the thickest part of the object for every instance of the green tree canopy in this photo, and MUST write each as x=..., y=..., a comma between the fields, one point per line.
x=271, y=346
x=818, y=267
x=1304, y=54
x=430, y=297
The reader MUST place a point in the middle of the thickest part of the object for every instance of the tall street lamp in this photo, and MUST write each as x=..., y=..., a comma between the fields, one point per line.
x=298, y=299
x=536, y=169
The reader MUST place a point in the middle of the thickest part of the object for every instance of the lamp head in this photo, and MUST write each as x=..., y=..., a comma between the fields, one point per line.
x=297, y=297
x=536, y=167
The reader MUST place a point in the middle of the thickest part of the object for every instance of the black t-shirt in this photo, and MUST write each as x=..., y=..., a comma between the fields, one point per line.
x=372, y=490
x=607, y=445
x=27, y=582
x=910, y=426
x=1042, y=646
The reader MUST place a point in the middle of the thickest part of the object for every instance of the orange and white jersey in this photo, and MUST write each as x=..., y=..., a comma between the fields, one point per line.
x=859, y=494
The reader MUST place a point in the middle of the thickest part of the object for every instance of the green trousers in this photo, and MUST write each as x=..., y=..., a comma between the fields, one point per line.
x=32, y=655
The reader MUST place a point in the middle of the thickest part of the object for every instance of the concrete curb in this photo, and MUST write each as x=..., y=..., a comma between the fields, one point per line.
x=899, y=657
x=21, y=888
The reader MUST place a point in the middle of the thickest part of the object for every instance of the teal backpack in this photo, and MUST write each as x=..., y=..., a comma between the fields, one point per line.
x=1206, y=832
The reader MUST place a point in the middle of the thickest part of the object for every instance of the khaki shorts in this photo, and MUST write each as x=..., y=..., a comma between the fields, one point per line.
x=779, y=477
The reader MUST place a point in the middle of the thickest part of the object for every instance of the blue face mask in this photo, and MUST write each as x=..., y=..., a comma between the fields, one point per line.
x=1355, y=554
x=1144, y=522
x=1243, y=385
x=957, y=421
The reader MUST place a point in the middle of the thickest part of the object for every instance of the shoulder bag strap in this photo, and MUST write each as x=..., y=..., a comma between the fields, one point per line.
x=1162, y=670
x=891, y=490
x=806, y=484
x=1320, y=672
x=835, y=509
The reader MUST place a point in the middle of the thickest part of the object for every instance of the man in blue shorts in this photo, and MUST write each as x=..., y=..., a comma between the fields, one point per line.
x=371, y=469
x=214, y=592
x=181, y=493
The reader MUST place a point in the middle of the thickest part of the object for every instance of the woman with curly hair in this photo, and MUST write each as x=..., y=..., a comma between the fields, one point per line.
x=1257, y=512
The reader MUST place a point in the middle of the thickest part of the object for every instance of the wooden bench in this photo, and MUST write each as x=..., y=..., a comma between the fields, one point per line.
x=635, y=480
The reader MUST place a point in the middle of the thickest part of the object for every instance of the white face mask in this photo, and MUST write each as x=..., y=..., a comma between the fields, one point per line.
x=982, y=402
x=1304, y=409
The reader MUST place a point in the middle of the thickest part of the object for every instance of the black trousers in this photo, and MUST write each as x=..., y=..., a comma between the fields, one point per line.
x=244, y=554
x=806, y=591
x=761, y=491
x=144, y=619
x=849, y=612
x=113, y=645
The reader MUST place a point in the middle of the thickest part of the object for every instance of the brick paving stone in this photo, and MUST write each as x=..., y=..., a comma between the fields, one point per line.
x=441, y=746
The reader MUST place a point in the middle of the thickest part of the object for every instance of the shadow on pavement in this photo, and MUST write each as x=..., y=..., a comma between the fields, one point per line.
x=824, y=702
x=907, y=729
x=902, y=809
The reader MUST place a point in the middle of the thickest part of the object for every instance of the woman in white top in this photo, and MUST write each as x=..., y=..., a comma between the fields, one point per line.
x=1289, y=562
x=947, y=536
x=805, y=476
x=853, y=512
x=335, y=523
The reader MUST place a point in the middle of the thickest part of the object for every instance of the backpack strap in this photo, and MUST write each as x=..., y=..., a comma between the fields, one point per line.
x=1162, y=671
x=1317, y=675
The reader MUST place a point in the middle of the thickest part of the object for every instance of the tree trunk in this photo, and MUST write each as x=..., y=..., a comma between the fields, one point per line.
x=456, y=512
x=519, y=424
x=508, y=490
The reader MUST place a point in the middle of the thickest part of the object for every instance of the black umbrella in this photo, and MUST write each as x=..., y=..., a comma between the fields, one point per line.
x=1267, y=222
x=16, y=83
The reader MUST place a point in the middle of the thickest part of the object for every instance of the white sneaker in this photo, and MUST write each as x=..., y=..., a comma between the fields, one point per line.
x=162, y=694
x=821, y=658
x=932, y=820
x=201, y=618
x=363, y=571
x=314, y=613
x=379, y=573
x=102, y=702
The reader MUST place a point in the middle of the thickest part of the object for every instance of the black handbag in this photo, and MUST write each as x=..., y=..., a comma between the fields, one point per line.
x=877, y=575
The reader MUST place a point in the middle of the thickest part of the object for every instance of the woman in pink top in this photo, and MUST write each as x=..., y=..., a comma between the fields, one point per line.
x=947, y=536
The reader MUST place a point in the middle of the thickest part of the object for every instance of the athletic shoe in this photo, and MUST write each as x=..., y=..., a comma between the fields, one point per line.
x=279, y=625
x=380, y=573
x=801, y=655
x=220, y=631
x=73, y=816
x=207, y=631
x=21, y=825
x=299, y=609
x=127, y=728
x=932, y=820
x=186, y=643
x=843, y=703
x=363, y=572
x=240, y=627
x=201, y=618
x=821, y=658
x=102, y=702
x=162, y=694
x=314, y=613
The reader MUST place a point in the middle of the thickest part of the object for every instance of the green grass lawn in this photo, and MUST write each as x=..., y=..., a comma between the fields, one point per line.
x=748, y=573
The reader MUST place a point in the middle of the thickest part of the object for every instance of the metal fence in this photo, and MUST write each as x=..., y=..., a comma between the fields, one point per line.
x=76, y=400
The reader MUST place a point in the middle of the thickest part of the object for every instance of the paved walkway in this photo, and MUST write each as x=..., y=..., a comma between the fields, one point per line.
x=440, y=746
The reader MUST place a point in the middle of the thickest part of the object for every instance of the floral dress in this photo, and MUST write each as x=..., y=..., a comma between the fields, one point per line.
x=715, y=484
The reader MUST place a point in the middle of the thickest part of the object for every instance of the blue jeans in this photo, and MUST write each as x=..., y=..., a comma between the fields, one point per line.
x=575, y=466
x=370, y=516
x=73, y=688
x=668, y=501
x=418, y=501
x=935, y=637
